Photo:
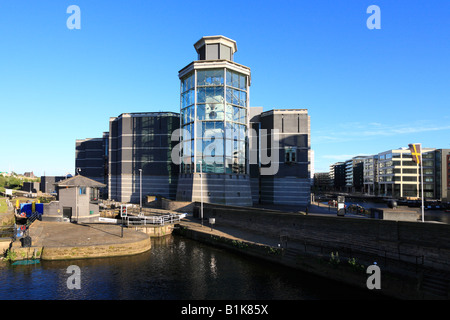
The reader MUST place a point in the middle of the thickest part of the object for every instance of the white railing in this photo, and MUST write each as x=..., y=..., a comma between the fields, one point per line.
x=153, y=220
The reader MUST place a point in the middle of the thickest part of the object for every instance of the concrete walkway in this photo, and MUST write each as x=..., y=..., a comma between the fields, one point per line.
x=229, y=232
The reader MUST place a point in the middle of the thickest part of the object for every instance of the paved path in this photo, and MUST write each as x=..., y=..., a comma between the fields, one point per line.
x=61, y=234
x=61, y=240
x=229, y=232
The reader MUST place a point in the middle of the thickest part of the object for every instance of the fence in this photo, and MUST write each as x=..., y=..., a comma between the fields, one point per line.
x=159, y=220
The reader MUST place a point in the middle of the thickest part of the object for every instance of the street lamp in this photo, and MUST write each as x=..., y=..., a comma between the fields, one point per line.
x=201, y=192
x=140, y=191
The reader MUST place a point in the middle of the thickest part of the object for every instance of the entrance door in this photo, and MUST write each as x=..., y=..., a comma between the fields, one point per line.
x=67, y=213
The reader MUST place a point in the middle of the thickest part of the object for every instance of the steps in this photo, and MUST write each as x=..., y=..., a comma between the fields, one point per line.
x=291, y=255
x=435, y=285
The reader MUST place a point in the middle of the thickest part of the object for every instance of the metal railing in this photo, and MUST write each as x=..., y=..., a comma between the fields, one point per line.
x=158, y=220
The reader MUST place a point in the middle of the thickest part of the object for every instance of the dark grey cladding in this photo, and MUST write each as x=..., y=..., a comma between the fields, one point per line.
x=142, y=141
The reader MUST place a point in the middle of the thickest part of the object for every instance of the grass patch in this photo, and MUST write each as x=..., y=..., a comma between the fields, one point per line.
x=3, y=205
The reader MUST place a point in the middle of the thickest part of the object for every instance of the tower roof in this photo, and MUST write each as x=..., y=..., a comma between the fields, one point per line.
x=215, y=47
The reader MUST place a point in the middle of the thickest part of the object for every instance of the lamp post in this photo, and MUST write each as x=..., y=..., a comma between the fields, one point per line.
x=140, y=191
x=421, y=176
x=201, y=193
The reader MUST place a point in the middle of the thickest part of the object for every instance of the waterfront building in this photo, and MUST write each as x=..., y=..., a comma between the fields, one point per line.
x=322, y=181
x=437, y=178
x=370, y=174
x=399, y=176
x=354, y=174
x=77, y=200
x=140, y=146
x=48, y=183
x=337, y=175
x=91, y=159
x=283, y=157
x=217, y=158
x=214, y=95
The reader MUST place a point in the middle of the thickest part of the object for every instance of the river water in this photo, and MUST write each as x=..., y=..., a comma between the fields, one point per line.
x=175, y=268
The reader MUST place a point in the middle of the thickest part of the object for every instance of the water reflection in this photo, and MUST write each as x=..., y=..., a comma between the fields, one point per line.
x=175, y=268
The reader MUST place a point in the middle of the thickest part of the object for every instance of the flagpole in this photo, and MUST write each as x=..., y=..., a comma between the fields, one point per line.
x=421, y=176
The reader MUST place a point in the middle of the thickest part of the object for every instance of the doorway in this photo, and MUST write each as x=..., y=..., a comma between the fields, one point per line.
x=67, y=213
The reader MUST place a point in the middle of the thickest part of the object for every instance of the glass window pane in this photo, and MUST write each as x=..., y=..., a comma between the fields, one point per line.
x=235, y=97
x=199, y=149
x=201, y=112
x=235, y=80
x=229, y=78
x=217, y=77
x=183, y=117
x=199, y=130
x=214, y=112
x=201, y=74
x=242, y=115
x=229, y=95
x=212, y=77
x=242, y=132
x=214, y=95
x=229, y=113
x=235, y=114
x=243, y=98
x=191, y=82
x=183, y=101
x=201, y=95
x=242, y=82
x=191, y=113
x=209, y=94
x=191, y=97
x=228, y=148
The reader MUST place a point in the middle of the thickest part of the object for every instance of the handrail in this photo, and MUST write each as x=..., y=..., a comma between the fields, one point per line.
x=154, y=220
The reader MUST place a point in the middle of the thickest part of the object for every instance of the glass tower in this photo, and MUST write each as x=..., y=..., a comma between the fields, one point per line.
x=214, y=104
x=214, y=101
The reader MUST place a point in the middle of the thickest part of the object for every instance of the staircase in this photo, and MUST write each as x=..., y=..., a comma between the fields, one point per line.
x=291, y=255
x=435, y=285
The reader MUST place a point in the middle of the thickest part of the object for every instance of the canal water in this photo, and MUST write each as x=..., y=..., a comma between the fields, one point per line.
x=175, y=268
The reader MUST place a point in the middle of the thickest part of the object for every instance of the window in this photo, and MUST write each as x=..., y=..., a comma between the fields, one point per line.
x=290, y=154
x=94, y=194
x=82, y=190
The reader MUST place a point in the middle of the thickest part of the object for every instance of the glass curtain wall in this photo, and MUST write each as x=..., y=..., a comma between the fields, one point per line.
x=214, y=101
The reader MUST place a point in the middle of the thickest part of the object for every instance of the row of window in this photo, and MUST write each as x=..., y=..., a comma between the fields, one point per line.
x=404, y=156
x=426, y=163
x=214, y=77
x=216, y=147
x=404, y=179
x=215, y=112
x=405, y=171
x=214, y=95
x=230, y=166
x=215, y=129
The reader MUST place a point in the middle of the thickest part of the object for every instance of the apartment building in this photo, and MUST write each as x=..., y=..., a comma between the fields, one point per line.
x=399, y=176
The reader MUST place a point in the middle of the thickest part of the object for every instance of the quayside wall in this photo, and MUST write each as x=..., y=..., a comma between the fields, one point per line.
x=408, y=253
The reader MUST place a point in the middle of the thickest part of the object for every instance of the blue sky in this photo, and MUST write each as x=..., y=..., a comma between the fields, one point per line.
x=367, y=91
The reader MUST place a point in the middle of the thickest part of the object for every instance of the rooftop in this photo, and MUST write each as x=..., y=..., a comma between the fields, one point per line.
x=80, y=181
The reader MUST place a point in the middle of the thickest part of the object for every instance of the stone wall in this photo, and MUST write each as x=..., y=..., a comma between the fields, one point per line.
x=395, y=244
x=98, y=251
